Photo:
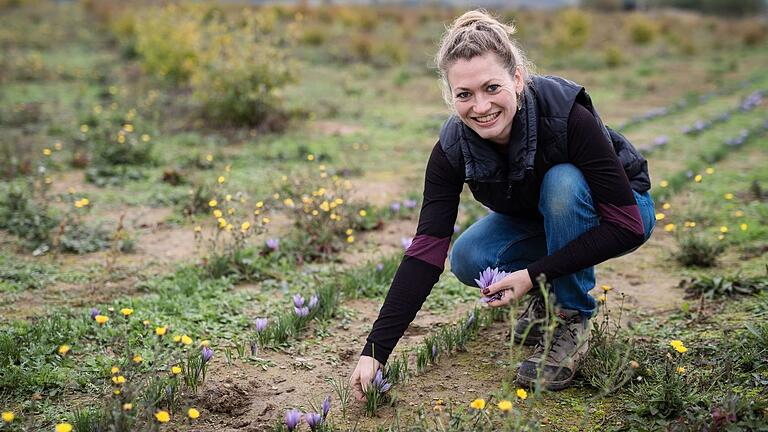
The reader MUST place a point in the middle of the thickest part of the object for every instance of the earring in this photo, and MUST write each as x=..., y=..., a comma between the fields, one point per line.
x=520, y=101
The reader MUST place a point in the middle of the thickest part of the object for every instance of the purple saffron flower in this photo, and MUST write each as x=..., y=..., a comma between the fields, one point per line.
x=261, y=324
x=379, y=383
x=470, y=320
x=206, y=353
x=314, y=420
x=489, y=277
x=313, y=301
x=95, y=312
x=379, y=267
x=434, y=352
x=456, y=229
x=409, y=203
x=298, y=300
x=406, y=242
x=326, y=406
x=301, y=311
x=273, y=244
x=395, y=207
x=661, y=141
x=292, y=419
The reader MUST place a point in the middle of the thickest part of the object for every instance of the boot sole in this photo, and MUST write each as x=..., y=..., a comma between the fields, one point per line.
x=551, y=385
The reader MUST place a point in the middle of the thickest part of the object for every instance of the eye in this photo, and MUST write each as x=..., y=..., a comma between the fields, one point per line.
x=493, y=88
x=462, y=95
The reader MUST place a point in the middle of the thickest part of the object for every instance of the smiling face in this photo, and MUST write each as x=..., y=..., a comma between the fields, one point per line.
x=485, y=95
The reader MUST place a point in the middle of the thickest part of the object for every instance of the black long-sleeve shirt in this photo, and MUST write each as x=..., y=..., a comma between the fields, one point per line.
x=620, y=228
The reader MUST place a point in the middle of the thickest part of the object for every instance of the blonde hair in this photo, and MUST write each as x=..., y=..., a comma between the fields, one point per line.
x=473, y=34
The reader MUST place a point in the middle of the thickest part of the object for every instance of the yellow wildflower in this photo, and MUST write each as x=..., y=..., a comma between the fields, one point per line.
x=678, y=346
x=63, y=427
x=666, y=206
x=669, y=227
x=175, y=370
x=602, y=298
x=728, y=196
x=709, y=170
x=229, y=227
x=723, y=229
x=288, y=202
x=126, y=311
x=698, y=178
x=186, y=340
x=115, y=370
x=350, y=239
x=681, y=370
x=116, y=392
x=478, y=404
x=659, y=216
x=363, y=213
x=260, y=204
x=721, y=237
x=348, y=231
x=606, y=288
x=504, y=405
x=244, y=227
x=205, y=343
x=64, y=349
x=47, y=151
x=522, y=394
x=101, y=319
x=193, y=413
x=57, y=145
x=228, y=197
x=84, y=128
x=177, y=338
x=127, y=406
x=163, y=416
x=217, y=213
x=160, y=331
x=209, y=157
x=138, y=358
x=738, y=213
x=119, y=379
x=663, y=183
x=265, y=220
x=213, y=203
x=145, y=137
x=310, y=157
x=198, y=228
x=221, y=179
x=325, y=206
x=8, y=416
x=743, y=227
x=230, y=211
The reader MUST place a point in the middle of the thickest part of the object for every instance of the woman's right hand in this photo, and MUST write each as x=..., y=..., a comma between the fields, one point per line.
x=363, y=376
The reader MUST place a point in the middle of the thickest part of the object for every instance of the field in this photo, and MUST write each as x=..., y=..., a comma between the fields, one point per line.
x=202, y=207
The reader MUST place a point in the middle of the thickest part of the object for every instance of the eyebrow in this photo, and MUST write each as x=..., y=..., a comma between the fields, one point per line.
x=481, y=85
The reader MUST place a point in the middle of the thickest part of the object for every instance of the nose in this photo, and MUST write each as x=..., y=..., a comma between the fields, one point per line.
x=482, y=105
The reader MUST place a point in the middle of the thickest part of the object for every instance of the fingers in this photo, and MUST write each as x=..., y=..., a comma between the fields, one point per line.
x=506, y=297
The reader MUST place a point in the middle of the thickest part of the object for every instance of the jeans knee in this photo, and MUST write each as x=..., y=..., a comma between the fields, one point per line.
x=461, y=259
x=563, y=188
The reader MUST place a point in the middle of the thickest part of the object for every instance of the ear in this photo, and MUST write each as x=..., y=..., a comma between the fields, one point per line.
x=519, y=83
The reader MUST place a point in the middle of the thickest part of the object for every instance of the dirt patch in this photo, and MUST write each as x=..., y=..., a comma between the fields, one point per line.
x=329, y=127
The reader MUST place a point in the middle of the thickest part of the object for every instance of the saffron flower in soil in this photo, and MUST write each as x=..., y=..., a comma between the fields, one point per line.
x=206, y=354
x=292, y=419
x=273, y=244
x=298, y=300
x=302, y=311
x=261, y=324
x=314, y=420
x=326, y=406
x=489, y=277
x=94, y=313
x=409, y=203
x=313, y=301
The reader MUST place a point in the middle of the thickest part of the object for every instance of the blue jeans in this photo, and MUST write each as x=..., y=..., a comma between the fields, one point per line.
x=512, y=243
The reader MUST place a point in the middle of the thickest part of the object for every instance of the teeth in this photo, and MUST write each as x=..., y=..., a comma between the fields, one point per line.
x=487, y=118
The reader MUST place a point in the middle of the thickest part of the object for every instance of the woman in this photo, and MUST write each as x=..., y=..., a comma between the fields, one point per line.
x=565, y=194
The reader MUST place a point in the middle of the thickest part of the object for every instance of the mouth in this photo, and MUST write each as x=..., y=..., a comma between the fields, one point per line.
x=487, y=119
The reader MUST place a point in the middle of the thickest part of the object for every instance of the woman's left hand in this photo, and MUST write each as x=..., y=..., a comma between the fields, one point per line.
x=512, y=288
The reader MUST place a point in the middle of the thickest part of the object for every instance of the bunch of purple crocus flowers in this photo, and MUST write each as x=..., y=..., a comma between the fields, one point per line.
x=314, y=420
x=298, y=304
x=488, y=277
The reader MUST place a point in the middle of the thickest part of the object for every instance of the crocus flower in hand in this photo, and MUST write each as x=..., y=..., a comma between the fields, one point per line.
x=489, y=277
x=292, y=419
x=379, y=383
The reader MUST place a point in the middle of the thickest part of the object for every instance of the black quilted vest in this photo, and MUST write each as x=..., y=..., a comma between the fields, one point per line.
x=540, y=126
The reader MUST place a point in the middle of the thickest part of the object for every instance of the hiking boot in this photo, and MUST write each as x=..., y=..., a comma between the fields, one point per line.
x=528, y=326
x=570, y=343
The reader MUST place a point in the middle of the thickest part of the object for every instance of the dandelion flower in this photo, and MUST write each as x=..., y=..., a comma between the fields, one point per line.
x=193, y=413
x=63, y=427
x=221, y=179
x=697, y=178
x=175, y=370
x=163, y=416
x=669, y=227
x=186, y=340
x=743, y=227
x=198, y=228
x=101, y=319
x=478, y=404
x=213, y=203
x=114, y=370
x=606, y=288
x=177, y=338
x=118, y=379
x=310, y=157
x=217, y=213
x=160, y=331
x=681, y=370
x=738, y=213
x=709, y=170
x=728, y=196
x=47, y=151
x=363, y=213
x=63, y=349
x=137, y=358
x=245, y=226
x=126, y=312
x=666, y=206
x=522, y=394
x=8, y=416
x=663, y=183
x=659, y=216
x=504, y=405
x=723, y=229
x=678, y=346
x=116, y=392
x=602, y=298
x=350, y=239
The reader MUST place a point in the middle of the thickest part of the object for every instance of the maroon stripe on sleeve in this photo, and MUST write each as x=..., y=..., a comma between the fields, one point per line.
x=627, y=217
x=432, y=250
